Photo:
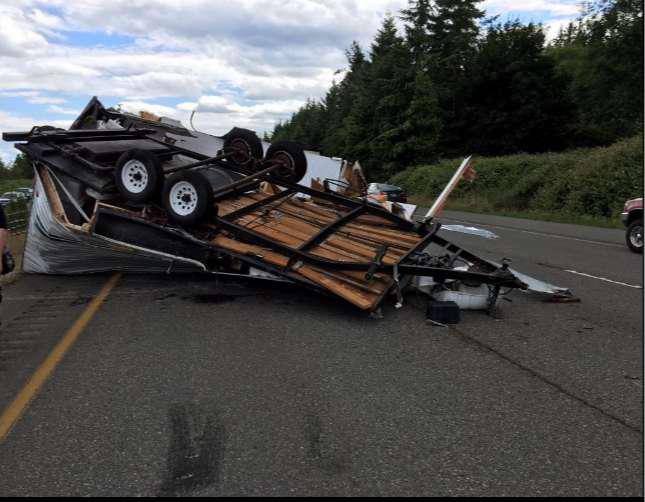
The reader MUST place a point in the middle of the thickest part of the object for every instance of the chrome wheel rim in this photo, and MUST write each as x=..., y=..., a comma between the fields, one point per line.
x=134, y=176
x=183, y=198
x=636, y=236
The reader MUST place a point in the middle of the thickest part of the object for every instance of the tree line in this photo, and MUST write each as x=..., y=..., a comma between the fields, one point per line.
x=20, y=168
x=457, y=82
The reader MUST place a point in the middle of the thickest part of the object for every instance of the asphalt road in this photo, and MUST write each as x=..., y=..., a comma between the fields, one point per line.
x=188, y=386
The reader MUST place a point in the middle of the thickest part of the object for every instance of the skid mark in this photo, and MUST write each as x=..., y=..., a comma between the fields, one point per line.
x=196, y=450
x=319, y=449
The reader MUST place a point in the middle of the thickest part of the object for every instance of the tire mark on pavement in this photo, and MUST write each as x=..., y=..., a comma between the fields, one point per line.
x=330, y=462
x=196, y=450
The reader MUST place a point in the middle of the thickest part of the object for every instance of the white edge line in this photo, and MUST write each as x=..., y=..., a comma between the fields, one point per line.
x=604, y=279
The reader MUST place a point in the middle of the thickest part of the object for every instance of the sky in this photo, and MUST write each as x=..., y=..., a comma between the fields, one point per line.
x=245, y=63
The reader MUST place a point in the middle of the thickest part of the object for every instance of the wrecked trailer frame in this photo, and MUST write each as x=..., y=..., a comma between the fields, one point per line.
x=227, y=237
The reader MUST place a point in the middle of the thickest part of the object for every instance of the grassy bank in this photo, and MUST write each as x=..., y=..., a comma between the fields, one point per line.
x=584, y=186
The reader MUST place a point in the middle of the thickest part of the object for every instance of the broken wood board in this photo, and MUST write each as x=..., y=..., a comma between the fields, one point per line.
x=292, y=223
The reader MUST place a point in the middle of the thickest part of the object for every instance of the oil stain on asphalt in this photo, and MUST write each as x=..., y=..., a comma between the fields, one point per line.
x=210, y=298
x=195, y=453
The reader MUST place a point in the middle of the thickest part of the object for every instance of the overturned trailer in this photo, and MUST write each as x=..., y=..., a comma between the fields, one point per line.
x=133, y=193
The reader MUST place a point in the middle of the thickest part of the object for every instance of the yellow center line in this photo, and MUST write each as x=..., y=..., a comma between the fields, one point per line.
x=14, y=411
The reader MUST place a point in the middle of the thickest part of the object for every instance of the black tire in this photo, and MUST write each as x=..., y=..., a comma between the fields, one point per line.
x=246, y=146
x=292, y=156
x=634, y=236
x=139, y=176
x=189, y=203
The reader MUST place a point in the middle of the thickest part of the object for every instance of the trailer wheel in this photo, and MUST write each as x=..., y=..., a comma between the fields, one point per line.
x=245, y=145
x=292, y=157
x=187, y=197
x=138, y=176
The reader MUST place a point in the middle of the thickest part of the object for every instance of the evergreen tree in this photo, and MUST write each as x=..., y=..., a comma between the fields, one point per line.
x=307, y=126
x=516, y=101
x=422, y=119
x=602, y=54
x=422, y=124
x=454, y=33
x=339, y=102
x=417, y=36
x=21, y=167
x=379, y=111
x=454, y=30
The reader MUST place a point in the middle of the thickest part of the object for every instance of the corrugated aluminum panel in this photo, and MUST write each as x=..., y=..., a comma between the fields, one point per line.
x=53, y=248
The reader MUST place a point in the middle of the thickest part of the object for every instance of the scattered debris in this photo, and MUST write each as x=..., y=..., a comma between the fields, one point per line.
x=486, y=234
x=443, y=312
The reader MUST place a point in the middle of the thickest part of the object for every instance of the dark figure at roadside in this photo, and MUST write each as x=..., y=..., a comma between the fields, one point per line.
x=4, y=238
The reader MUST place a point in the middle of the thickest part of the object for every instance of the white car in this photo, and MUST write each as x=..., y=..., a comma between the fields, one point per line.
x=28, y=193
x=14, y=196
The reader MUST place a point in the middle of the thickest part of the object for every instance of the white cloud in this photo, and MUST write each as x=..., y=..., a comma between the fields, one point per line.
x=11, y=122
x=59, y=110
x=15, y=38
x=137, y=106
x=553, y=28
x=18, y=94
x=46, y=100
x=249, y=62
x=214, y=104
x=554, y=8
x=46, y=22
x=218, y=114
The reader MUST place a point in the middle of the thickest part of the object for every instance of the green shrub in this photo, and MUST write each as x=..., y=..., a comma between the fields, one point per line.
x=585, y=182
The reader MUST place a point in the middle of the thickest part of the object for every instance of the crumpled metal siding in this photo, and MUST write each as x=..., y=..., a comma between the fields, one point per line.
x=52, y=248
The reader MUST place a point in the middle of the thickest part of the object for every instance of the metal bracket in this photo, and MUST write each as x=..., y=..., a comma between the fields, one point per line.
x=397, y=286
x=377, y=261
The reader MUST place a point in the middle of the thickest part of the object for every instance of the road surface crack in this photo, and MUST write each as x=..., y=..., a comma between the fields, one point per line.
x=546, y=380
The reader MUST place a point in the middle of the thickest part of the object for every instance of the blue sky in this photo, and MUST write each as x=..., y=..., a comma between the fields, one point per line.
x=248, y=63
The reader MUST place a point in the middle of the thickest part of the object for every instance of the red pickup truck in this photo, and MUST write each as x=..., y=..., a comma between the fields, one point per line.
x=632, y=217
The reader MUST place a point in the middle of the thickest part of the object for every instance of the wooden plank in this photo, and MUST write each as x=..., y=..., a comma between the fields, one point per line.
x=53, y=198
x=395, y=237
x=304, y=231
x=360, y=297
x=251, y=250
x=365, y=236
x=279, y=235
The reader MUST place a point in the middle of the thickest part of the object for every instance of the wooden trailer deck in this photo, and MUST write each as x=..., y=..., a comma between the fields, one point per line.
x=294, y=222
